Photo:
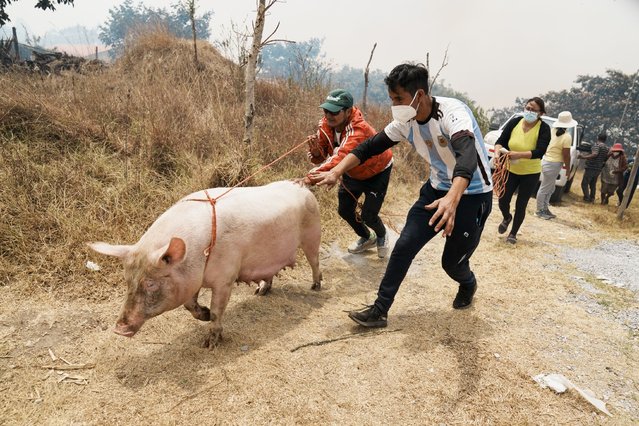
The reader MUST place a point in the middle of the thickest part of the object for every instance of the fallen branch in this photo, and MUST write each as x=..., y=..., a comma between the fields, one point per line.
x=193, y=395
x=69, y=367
x=348, y=336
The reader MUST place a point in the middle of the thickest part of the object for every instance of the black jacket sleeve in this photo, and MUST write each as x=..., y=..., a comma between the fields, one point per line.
x=372, y=146
x=542, y=141
x=507, y=131
x=463, y=144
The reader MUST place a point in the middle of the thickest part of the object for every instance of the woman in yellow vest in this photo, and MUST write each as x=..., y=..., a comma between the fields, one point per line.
x=557, y=155
x=525, y=139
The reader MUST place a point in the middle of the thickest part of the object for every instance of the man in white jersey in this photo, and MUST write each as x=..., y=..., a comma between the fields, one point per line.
x=456, y=199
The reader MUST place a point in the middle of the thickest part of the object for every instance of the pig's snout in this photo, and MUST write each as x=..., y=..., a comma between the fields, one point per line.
x=126, y=330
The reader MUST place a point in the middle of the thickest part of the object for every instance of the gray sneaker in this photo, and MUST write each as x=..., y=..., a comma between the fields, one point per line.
x=382, y=246
x=363, y=244
x=542, y=214
x=550, y=215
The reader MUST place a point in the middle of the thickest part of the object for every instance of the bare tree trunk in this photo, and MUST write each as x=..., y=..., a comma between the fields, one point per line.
x=366, y=79
x=630, y=188
x=191, y=6
x=250, y=71
x=15, y=44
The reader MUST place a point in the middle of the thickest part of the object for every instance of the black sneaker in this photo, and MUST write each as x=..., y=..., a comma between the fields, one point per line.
x=370, y=316
x=503, y=226
x=464, y=297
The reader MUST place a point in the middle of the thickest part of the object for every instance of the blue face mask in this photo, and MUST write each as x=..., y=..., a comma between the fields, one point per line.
x=530, y=116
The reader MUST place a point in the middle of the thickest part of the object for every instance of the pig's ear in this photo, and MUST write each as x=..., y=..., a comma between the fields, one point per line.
x=111, y=250
x=171, y=254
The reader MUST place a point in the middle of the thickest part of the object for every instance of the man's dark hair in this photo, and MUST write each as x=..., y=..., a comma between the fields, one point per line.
x=602, y=137
x=409, y=77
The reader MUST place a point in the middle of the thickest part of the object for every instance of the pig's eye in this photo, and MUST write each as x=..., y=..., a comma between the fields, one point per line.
x=151, y=285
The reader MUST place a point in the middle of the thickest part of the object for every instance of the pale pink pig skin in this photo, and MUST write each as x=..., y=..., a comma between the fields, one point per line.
x=259, y=230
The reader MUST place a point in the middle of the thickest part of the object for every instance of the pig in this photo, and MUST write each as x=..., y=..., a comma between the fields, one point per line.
x=258, y=231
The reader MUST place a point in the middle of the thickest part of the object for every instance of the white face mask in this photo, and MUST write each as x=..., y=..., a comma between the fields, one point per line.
x=404, y=113
x=530, y=116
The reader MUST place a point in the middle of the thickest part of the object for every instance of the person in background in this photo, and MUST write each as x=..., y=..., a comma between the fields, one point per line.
x=557, y=154
x=341, y=129
x=526, y=139
x=594, y=163
x=456, y=199
x=626, y=178
x=612, y=172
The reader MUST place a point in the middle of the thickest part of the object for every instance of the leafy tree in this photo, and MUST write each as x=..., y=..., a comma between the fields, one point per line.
x=302, y=63
x=40, y=4
x=126, y=19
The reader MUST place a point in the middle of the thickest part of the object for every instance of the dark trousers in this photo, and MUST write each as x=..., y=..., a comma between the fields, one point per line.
x=589, y=183
x=374, y=190
x=622, y=187
x=472, y=212
x=525, y=185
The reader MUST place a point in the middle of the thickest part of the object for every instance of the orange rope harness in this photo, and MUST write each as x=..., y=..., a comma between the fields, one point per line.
x=359, y=204
x=500, y=175
x=213, y=201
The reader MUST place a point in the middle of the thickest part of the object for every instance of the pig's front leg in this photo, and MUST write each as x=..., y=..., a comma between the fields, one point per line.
x=221, y=292
x=198, y=311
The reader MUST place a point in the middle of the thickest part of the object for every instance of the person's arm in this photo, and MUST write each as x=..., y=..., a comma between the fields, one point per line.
x=351, y=139
x=458, y=125
x=504, y=138
x=463, y=144
x=542, y=141
x=447, y=206
x=593, y=153
x=372, y=146
x=566, y=154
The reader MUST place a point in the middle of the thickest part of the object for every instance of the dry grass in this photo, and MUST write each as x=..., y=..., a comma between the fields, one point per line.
x=99, y=156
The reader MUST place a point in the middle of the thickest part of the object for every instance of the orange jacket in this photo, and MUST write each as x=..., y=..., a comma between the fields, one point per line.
x=356, y=132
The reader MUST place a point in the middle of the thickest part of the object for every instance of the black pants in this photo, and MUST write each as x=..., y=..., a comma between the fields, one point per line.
x=525, y=185
x=472, y=212
x=589, y=183
x=622, y=187
x=375, y=191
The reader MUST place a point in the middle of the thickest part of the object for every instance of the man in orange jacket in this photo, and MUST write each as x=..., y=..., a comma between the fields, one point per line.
x=340, y=130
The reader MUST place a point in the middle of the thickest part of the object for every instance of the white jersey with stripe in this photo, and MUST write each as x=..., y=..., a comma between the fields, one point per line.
x=432, y=141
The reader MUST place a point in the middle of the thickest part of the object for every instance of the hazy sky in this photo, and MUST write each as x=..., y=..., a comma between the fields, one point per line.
x=497, y=49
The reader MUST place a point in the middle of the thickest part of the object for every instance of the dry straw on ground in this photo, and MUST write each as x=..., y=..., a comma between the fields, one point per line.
x=99, y=156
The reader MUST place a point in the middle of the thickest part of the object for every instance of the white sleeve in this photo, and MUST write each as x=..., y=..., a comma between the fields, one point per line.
x=397, y=131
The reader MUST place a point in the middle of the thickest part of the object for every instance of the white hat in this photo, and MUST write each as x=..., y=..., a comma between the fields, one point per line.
x=564, y=119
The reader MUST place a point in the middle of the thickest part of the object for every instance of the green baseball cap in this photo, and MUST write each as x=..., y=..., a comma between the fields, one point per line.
x=338, y=100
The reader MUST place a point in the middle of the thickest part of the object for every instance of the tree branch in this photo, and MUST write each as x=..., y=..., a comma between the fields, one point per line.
x=348, y=336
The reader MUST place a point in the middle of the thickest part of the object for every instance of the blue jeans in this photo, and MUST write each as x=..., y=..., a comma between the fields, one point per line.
x=471, y=215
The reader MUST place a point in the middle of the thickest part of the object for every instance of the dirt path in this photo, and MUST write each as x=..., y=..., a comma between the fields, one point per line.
x=536, y=312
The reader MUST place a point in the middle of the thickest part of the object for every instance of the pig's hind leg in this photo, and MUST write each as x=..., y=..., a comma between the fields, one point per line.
x=198, y=311
x=310, y=246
